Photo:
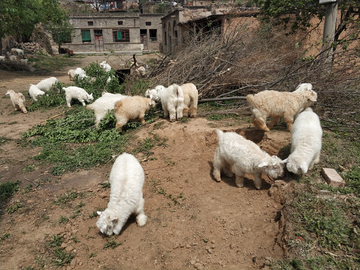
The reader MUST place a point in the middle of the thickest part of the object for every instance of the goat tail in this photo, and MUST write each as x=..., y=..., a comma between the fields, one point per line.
x=250, y=98
x=219, y=133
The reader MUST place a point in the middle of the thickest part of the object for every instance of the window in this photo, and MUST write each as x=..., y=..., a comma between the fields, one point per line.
x=148, y=23
x=120, y=22
x=90, y=23
x=121, y=35
x=153, y=34
x=85, y=34
x=98, y=32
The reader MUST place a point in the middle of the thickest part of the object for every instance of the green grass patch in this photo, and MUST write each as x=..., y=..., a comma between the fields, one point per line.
x=56, y=241
x=5, y=236
x=14, y=207
x=62, y=258
x=4, y=140
x=63, y=201
x=63, y=219
x=147, y=144
x=8, y=189
x=112, y=244
x=52, y=63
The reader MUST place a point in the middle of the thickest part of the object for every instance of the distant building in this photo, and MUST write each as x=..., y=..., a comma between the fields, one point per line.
x=120, y=32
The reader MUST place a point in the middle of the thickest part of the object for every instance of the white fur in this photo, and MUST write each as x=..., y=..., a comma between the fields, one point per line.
x=16, y=51
x=17, y=100
x=131, y=108
x=24, y=61
x=74, y=92
x=46, y=84
x=141, y=71
x=71, y=74
x=13, y=58
x=172, y=100
x=35, y=92
x=79, y=71
x=126, y=197
x=234, y=151
x=2, y=58
x=191, y=97
x=306, y=136
x=105, y=66
x=280, y=104
x=104, y=104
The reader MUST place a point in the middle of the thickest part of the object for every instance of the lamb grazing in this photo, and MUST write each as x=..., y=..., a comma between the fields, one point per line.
x=16, y=51
x=80, y=72
x=244, y=156
x=153, y=93
x=131, y=108
x=306, y=137
x=172, y=100
x=17, y=100
x=279, y=104
x=74, y=92
x=104, y=104
x=71, y=74
x=191, y=97
x=46, y=84
x=35, y=92
x=126, y=197
x=105, y=66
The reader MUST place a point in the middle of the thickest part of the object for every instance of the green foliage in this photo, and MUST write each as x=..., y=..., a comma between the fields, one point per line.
x=5, y=236
x=8, y=189
x=93, y=214
x=68, y=197
x=56, y=241
x=3, y=140
x=148, y=143
x=112, y=244
x=29, y=168
x=77, y=210
x=352, y=179
x=13, y=208
x=62, y=257
x=48, y=63
x=63, y=219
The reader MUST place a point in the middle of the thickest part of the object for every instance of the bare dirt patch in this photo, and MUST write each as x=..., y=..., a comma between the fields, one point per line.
x=193, y=221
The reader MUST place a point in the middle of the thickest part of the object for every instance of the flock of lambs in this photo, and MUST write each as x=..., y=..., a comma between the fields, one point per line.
x=233, y=153
x=15, y=55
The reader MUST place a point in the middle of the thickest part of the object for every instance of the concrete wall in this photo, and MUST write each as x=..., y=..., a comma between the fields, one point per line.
x=150, y=42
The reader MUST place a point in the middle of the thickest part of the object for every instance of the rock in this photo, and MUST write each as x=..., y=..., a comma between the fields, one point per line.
x=199, y=266
x=73, y=263
x=332, y=177
x=69, y=248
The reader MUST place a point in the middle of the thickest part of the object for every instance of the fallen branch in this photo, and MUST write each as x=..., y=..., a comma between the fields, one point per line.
x=53, y=116
x=219, y=99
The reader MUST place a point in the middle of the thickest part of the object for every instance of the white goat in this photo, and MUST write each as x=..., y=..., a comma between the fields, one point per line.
x=306, y=137
x=16, y=51
x=2, y=58
x=131, y=108
x=172, y=100
x=35, y=92
x=46, y=84
x=74, y=92
x=71, y=74
x=245, y=156
x=17, y=100
x=104, y=104
x=13, y=58
x=105, y=66
x=280, y=104
x=126, y=197
x=24, y=61
x=191, y=97
x=79, y=71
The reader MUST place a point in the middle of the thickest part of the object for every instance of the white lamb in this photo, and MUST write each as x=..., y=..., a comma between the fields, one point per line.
x=2, y=58
x=79, y=71
x=74, y=92
x=104, y=104
x=35, y=92
x=172, y=100
x=306, y=137
x=46, y=84
x=24, y=61
x=280, y=104
x=16, y=51
x=105, y=66
x=154, y=93
x=71, y=74
x=244, y=156
x=191, y=97
x=13, y=58
x=131, y=108
x=17, y=100
x=126, y=197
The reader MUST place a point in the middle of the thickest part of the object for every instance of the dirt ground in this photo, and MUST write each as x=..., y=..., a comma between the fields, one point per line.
x=214, y=226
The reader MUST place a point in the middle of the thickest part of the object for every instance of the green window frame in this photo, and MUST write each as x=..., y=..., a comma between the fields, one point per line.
x=86, y=36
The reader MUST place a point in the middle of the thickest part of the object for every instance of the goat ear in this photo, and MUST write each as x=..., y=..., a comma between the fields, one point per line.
x=303, y=168
x=263, y=164
x=313, y=97
x=99, y=213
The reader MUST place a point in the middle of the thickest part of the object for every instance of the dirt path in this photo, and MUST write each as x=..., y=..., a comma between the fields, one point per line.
x=213, y=225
